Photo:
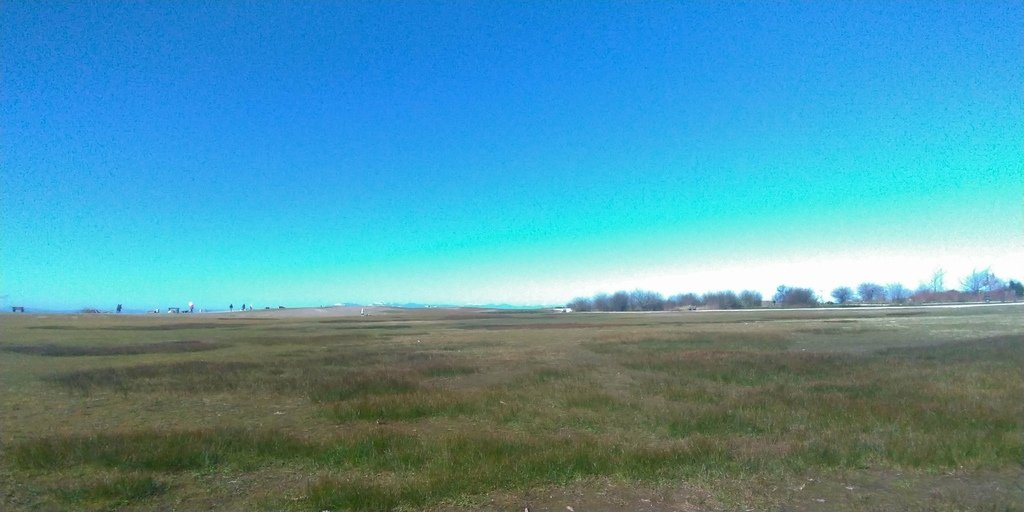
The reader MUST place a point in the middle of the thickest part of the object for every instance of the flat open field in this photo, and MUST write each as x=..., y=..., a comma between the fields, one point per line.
x=901, y=409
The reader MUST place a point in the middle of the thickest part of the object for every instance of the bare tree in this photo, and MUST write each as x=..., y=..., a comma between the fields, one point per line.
x=619, y=301
x=974, y=282
x=871, y=292
x=645, y=300
x=750, y=299
x=581, y=304
x=722, y=300
x=897, y=293
x=980, y=281
x=843, y=294
x=602, y=302
x=795, y=297
x=938, y=279
x=684, y=300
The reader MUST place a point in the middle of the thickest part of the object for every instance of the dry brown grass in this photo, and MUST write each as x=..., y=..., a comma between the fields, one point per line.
x=443, y=409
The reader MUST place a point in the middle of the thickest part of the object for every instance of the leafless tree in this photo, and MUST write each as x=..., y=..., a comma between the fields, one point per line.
x=750, y=299
x=722, y=300
x=619, y=301
x=897, y=293
x=871, y=292
x=843, y=294
x=937, y=283
x=980, y=281
x=684, y=300
x=795, y=297
x=581, y=304
x=645, y=300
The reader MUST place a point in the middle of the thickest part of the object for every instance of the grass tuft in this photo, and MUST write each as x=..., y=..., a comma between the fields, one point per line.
x=403, y=407
x=448, y=370
x=113, y=492
x=361, y=384
x=188, y=376
x=163, y=347
x=155, y=451
x=385, y=423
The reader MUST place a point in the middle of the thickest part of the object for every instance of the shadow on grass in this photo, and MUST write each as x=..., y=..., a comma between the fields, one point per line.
x=999, y=349
x=723, y=341
x=404, y=407
x=185, y=376
x=434, y=466
x=156, y=451
x=323, y=379
x=112, y=493
x=157, y=327
x=163, y=347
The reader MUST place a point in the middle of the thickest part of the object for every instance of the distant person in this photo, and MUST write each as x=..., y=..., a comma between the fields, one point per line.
x=118, y=308
x=231, y=307
x=243, y=307
x=191, y=307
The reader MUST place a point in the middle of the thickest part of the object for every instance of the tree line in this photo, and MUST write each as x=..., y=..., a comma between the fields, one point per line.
x=646, y=300
x=979, y=285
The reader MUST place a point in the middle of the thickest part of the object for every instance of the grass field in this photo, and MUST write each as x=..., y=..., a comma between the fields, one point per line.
x=899, y=409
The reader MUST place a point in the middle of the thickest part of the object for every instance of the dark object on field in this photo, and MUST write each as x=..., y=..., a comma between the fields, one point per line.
x=17, y=309
x=118, y=308
x=174, y=310
x=280, y=307
x=231, y=307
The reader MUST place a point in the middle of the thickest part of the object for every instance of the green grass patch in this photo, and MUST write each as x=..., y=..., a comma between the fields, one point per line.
x=156, y=451
x=694, y=342
x=1007, y=350
x=472, y=464
x=113, y=493
x=403, y=407
x=545, y=375
x=64, y=350
x=185, y=376
x=361, y=384
x=448, y=370
x=381, y=423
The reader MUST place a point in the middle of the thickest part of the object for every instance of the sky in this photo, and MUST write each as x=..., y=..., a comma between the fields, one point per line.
x=308, y=153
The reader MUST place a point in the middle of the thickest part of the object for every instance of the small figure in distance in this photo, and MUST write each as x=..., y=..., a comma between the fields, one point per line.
x=191, y=307
x=118, y=308
x=231, y=307
x=243, y=307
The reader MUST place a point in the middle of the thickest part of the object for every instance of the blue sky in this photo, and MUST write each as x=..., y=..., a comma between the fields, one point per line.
x=472, y=152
